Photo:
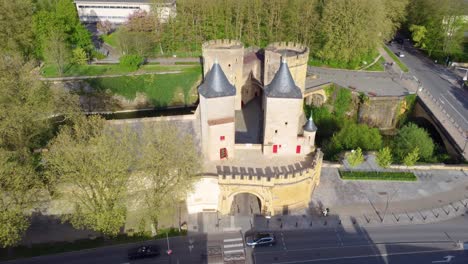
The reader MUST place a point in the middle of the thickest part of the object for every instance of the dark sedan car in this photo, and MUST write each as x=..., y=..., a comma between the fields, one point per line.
x=146, y=251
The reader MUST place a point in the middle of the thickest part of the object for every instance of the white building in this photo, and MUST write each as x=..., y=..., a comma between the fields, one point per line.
x=117, y=11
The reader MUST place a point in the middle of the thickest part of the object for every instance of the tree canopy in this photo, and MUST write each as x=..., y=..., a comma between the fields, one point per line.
x=410, y=137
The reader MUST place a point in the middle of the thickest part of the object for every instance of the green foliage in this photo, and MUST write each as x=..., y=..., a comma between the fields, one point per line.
x=410, y=137
x=353, y=136
x=438, y=26
x=384, y=157
x=405, y=109
x=131, y=62
x=57, y=51
x=377, y=176
x=110, y=39
x=419, y=35
x=59, y=17
x=79, y=56
x=111, y=69
x=92, y=158
x=170, y=164
x=355, y=157
x=412, y=157
x=160, y=89
x=13, y=223
x=15, y=30
x=342, y=102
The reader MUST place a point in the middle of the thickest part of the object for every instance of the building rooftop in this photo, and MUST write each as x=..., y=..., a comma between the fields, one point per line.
x=282, y=85
x=310, y=126
x=216, y=84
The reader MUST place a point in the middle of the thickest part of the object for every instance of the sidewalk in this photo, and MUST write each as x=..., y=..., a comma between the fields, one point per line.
x=439, y=194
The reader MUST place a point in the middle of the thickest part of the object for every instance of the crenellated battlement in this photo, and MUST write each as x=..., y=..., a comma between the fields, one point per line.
x=294, y=53
x=222, y=44
x=271, y=176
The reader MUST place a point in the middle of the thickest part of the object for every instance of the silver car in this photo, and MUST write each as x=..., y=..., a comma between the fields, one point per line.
x=262, y=239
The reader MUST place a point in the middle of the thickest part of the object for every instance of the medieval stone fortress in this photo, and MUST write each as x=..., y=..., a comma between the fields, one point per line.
x=255, y=137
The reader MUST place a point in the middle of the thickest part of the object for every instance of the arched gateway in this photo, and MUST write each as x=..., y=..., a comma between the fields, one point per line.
x=278, y=189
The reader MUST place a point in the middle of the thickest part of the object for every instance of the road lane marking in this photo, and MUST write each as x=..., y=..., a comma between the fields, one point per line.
x=234, y=245
x=266, y=252
x=233, y=251
x=364, y=256
x=455, y=109
x=284, y=244
x=339, y=237
x=233, y=239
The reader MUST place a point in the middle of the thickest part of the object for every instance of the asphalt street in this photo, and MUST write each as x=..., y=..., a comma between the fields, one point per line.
x=440, y=82
x=433, y=243
x=118, y=254
x=430, y=243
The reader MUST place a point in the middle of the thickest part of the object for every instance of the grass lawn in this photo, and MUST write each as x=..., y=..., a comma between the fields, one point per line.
x=60, y=247
x=161, y=89
x=377, y=176
x=108, y=69
x=396, y=59
x=352, y=65
x=378, y=66
x=110, y=39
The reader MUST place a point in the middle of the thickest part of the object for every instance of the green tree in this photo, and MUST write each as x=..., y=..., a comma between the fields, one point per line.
x=412, y=157
x=353, y=135
x=57, y=51
x=355, y=157
x=19, y=191
x=15, y=31
x=384, y=157
x=25, y=105
x=350, y=29
x=169, y=165
x=89, y=164
x=79, y=56
x=410, y=137
x=440, y=25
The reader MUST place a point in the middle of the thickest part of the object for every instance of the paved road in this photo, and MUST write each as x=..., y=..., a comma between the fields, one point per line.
x=118, y=254
x=403, y=244
x=407, y=244
x=441, y=84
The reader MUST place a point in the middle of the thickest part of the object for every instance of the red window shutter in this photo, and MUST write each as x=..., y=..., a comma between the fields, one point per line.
x=275, y=148
x=298, y=149
x=223, y=153
x=222, y=138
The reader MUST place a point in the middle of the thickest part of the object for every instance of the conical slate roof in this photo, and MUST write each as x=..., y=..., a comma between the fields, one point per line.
x=309, y=125
x=282, y=85
x=216, y=84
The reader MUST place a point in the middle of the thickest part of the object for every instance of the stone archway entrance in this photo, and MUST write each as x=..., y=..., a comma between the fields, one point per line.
x=246, y=204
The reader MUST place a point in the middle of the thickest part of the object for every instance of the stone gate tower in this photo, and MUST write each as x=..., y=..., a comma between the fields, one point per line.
x=217, y=100
x=230, y=56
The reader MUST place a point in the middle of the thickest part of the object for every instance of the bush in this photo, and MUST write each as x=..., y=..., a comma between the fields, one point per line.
x=131, y=62
x=410, y=137
x=353, y=136
x=412, y=157
x=355, y=157
x=377, y=175
x=384, y=157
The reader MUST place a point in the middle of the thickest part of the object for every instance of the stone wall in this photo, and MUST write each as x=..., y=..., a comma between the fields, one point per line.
x=381, y=112
x=277, y=188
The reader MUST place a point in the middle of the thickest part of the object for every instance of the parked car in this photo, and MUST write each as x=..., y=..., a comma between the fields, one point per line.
x=262, y=239
x=399, y=54
x=145, y=251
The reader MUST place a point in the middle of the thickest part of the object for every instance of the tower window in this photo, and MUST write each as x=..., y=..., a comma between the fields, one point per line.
x=222, y=138
x=276, y=131
x=229, y=65
x=285, y=123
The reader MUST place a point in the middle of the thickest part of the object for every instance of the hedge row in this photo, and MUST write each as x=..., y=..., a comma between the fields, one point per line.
x=378, y=176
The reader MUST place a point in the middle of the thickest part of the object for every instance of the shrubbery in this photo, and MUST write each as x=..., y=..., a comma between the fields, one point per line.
x=131, y=62
x=376, y=175
x=410, y=137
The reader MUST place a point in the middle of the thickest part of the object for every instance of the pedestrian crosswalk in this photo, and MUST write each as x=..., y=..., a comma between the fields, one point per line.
x=233, y=248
